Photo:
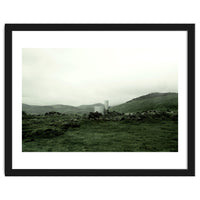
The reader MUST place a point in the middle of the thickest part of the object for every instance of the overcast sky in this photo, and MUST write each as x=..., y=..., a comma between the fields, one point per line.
x=77, y=76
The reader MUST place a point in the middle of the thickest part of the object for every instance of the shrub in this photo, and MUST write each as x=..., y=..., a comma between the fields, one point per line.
x=42, y=133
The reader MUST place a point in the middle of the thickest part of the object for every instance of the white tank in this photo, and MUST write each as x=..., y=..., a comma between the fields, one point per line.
x=99, y=109
x=106, y=103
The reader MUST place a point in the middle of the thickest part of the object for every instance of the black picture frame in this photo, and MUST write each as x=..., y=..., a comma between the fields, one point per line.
x=190, y=28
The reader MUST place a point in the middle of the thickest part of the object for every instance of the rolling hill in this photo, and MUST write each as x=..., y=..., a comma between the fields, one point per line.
x=153, y=101
x=33, y=109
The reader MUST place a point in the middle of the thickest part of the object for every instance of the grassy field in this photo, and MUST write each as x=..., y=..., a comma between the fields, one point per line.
x=145, y=124
x=99, y=136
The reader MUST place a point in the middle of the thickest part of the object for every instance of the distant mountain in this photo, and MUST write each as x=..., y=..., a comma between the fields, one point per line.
x=33, y=109
x=153, y=101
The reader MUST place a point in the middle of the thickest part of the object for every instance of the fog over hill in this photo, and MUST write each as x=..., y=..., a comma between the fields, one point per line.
x=153, y=101
x=83, y=76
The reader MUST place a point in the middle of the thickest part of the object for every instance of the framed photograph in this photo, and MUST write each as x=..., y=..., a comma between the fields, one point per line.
x=99, y=99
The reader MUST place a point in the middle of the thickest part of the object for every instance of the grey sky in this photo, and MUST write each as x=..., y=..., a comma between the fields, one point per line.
x=77, y=76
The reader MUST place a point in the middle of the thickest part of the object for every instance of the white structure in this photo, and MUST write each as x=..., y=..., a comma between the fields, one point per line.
x=106, y=103
x=99, y=109
x=102, y=109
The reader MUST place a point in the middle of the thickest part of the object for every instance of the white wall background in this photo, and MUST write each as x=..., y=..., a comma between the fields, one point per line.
x=104, y=11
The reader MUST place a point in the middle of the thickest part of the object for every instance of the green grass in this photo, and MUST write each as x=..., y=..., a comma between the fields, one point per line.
x=103, y=136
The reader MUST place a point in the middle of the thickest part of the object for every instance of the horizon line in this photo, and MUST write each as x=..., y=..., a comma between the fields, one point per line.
x=101, y=103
